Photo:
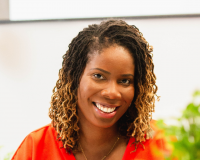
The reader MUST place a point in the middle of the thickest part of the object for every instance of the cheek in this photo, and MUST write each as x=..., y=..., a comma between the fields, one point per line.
x=90, y=87
x=83, y=87
x=130, y=95
x=86, y=89
x=82, y=93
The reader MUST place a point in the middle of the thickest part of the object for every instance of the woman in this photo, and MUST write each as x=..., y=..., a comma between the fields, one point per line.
x=102, y=103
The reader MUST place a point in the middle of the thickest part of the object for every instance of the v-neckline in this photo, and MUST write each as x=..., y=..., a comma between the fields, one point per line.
x=127, y=150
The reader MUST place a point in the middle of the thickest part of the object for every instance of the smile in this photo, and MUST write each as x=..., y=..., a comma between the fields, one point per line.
x=105, y=109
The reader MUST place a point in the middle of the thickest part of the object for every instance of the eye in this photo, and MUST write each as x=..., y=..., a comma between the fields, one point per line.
x=98, y=76
x=125, y=81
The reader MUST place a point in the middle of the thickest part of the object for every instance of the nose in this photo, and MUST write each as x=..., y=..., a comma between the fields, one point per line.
x=111, y=91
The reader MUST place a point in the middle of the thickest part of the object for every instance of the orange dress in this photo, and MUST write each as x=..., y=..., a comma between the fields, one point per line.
x=41, y=144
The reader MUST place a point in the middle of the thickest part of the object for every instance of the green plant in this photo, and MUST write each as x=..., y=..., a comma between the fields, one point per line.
x=8, y=155
x=184, y=138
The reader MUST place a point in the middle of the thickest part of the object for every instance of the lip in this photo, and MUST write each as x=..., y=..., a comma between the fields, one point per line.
x=103, y=114
x=107, y=105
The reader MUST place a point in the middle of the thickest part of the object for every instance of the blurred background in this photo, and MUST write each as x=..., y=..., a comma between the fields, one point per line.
x=35, y=34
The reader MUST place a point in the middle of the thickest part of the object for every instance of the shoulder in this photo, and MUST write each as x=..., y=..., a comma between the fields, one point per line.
x=40, y=144
x=42, y=133
x=24, y=150
x=39, y=136
x=151, y=149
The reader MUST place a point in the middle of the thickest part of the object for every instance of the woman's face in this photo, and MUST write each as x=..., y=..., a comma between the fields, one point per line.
x=106, y=87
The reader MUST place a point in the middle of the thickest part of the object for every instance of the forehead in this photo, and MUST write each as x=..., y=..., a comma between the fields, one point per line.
x=112, y=50
x=114, y=57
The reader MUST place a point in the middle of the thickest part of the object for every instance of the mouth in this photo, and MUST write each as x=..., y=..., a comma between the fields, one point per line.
x=104, y=108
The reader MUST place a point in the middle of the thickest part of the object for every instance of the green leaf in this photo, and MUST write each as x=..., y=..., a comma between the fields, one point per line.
x=196, y=93
x=187, y=146
x=8, y=156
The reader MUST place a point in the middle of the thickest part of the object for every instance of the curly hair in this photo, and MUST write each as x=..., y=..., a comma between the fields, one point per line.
x=63, y=111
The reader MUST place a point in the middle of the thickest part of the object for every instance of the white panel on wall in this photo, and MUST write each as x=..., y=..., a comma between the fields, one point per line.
x=62, y=9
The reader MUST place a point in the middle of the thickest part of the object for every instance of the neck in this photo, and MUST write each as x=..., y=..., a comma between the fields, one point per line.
x=96, y=142
x=90, y=134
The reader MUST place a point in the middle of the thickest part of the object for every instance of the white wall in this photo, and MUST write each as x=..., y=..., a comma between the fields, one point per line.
x=58, y=9
x=31, y=55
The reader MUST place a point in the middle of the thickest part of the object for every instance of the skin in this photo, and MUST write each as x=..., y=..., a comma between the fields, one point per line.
x=108, y=79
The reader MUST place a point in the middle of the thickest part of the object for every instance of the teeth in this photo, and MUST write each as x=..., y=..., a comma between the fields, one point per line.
x=105, y=109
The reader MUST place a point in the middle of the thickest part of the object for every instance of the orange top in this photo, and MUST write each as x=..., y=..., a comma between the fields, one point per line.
x=41, y=144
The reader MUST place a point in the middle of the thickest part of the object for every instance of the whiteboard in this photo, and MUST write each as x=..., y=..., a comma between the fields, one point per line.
x=77, y=9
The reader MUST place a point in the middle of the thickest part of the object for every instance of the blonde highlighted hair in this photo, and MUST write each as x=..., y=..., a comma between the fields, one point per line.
x=63, y=111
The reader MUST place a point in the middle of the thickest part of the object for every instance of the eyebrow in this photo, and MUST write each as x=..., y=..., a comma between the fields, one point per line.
x=101, y=70
x=127, y=75
x=123, y=75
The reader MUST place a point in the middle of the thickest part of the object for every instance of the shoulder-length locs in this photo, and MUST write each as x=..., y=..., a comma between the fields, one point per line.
x=63, y=110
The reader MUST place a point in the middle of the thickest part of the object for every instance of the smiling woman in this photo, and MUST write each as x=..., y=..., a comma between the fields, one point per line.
x=103, y=100
x=106, y=88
